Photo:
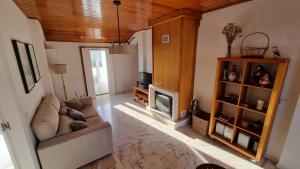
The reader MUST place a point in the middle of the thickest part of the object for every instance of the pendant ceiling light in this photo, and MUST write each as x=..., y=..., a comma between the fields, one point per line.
x=120, y=47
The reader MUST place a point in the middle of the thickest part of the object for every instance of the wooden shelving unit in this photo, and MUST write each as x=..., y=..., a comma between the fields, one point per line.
x=244, y=88
x=141, y=94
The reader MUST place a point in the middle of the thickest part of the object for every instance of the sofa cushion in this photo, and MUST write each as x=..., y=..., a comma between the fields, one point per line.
x=95, y=120
x=75, y=104
x=64, y=125
x=76, y=115
x=53, y=100
x=90, y=111
x=78, y=125
x=45, y=122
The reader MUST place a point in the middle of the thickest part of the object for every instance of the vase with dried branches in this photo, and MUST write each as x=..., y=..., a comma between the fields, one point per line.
x=231, y=32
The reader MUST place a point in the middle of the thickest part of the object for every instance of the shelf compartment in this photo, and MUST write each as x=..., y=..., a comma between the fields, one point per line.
x=264, y=112
x=249, y=131
x=228, y=82
x=259, y=87
x=224, y=121
x=241, y=150
x=228, y=103
x=143, y=96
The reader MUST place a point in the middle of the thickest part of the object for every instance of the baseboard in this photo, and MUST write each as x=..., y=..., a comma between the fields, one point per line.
x=271, y=158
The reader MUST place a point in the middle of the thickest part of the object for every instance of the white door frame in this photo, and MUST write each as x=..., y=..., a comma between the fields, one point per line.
x=87, y=70
x=7, y=142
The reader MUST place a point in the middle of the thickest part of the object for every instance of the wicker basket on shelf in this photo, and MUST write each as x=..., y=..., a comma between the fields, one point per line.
x=254, y=52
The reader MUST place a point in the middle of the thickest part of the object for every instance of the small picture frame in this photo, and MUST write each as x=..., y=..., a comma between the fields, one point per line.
x=33, y=62
x=165, y=39
x=24, y=65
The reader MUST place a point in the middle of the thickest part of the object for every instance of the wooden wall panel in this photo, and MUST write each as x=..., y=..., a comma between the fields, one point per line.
x=166, y=57
x=174, y=63
x=189, y=42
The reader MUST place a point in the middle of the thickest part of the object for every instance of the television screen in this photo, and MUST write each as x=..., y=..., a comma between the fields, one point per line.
x=145, y=79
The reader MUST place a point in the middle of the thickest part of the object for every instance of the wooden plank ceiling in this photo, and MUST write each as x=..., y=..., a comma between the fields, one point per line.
x=95, y=20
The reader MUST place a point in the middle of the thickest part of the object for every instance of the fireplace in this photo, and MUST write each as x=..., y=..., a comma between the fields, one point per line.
x=163, y=103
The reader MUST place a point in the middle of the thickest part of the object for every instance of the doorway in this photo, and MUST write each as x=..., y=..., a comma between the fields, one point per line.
x=99, y=70
x=6, y=161
x=5, y=158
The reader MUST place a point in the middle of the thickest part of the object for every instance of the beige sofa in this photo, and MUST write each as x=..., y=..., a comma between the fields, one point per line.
x=72, y=149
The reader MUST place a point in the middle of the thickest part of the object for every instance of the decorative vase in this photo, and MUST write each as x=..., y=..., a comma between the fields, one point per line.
x=228, y=50
x=232, y=75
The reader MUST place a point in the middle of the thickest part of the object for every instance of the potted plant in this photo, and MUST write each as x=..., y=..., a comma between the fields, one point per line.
x=231, y=32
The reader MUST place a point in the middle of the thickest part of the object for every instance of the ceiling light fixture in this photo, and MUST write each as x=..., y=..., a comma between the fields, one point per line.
x=120, y=47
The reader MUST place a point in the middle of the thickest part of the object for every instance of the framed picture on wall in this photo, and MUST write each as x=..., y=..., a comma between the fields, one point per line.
x=24, y=65
x=33, y=62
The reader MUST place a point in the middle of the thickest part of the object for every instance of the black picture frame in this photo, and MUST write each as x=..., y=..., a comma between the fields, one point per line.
x=24, y=65
x=33, y=62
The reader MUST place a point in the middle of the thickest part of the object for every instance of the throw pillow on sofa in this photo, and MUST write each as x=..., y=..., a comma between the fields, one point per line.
x=75, y=104
x=78, y=125
x=77, y=115
x=63, y=110
x=64, y=125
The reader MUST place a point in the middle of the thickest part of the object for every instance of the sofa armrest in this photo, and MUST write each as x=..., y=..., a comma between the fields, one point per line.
x=86, y=101
x=77, y=148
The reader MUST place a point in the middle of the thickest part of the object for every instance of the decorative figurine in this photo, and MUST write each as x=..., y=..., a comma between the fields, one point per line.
x=259, y=73
x=265, y=80
x=232, y=76
x=276, y=52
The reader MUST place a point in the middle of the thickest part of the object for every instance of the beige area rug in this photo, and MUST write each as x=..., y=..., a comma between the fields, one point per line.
x=141, y=142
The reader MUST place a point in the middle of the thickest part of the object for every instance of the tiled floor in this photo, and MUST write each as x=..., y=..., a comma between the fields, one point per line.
x=141, y=142
x=5, y=160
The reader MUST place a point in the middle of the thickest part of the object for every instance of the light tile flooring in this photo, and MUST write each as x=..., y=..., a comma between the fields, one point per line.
x=5, y=160
x=141, y=142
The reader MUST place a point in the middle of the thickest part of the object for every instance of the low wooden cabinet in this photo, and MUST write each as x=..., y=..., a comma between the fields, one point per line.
x=236, y=119
x=140, y=94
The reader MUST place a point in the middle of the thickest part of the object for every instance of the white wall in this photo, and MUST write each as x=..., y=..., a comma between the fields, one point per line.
x=68, y=53
x=277, y=18
x=289, y=158
x=125, y=72
x=18, y=106
x=38, y=40
x=144, y=41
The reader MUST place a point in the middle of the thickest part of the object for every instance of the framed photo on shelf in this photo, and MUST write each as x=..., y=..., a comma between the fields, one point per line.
x=24, y=65
x=33, y=62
